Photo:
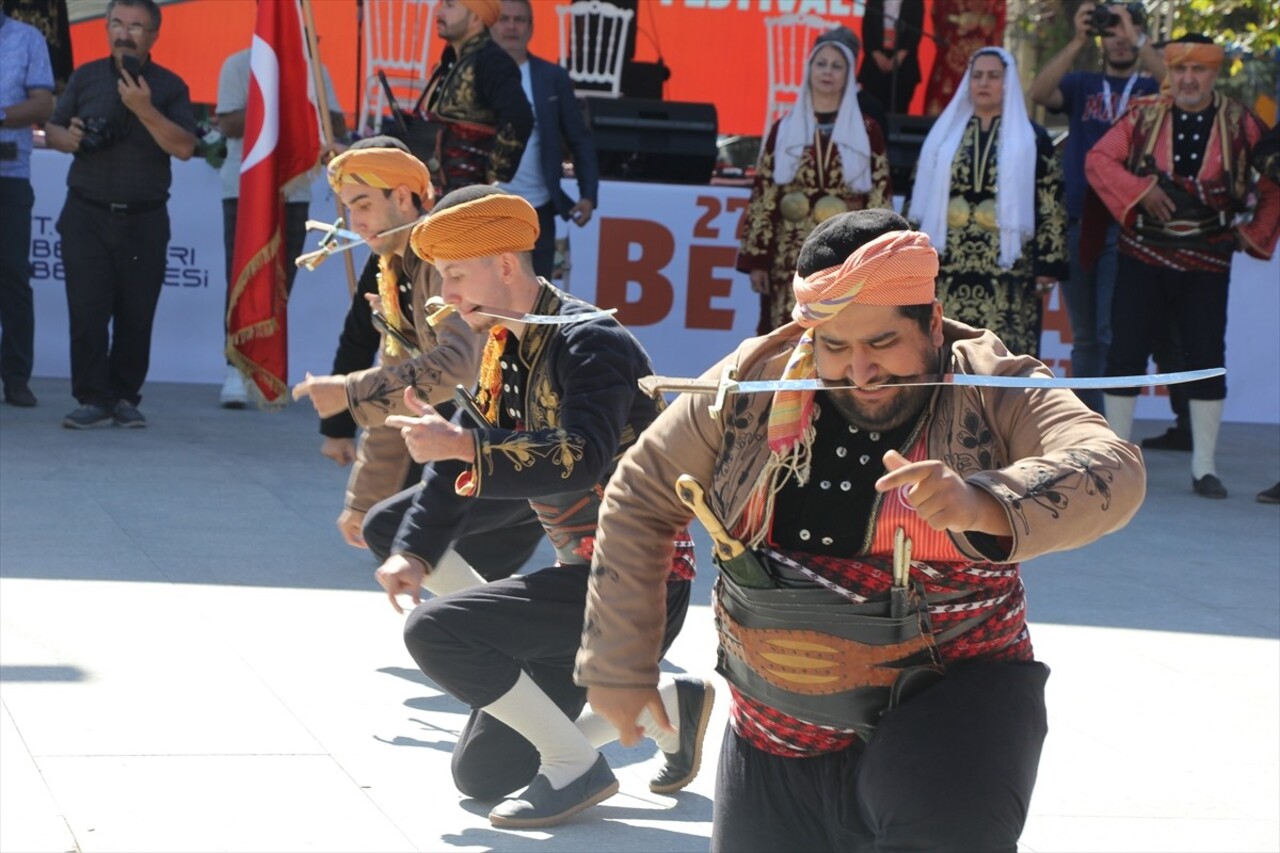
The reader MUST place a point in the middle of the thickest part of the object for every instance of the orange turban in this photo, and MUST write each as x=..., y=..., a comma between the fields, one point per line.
x=1183, y=52
x=380, y=168
x=483, y=227
x=897, y=268
x=486, y=10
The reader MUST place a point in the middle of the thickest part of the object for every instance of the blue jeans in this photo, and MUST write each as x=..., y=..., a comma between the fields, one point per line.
x=1088, y=295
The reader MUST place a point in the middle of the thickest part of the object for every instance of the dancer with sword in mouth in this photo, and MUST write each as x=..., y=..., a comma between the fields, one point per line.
x=386, y=190
x=884, y=693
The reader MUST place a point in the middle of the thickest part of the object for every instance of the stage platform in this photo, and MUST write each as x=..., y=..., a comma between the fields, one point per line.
x=192, y=660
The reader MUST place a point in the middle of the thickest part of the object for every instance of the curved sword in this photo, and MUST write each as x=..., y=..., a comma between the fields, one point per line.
x=728, y=383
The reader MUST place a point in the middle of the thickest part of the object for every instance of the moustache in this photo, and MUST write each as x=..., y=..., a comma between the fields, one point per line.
x=128, y=44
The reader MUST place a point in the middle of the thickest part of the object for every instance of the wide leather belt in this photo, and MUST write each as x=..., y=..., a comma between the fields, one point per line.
x=819, y=657
x=1182, y=231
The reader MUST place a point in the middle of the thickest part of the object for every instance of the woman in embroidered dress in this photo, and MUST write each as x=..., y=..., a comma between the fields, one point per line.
x=988, y=191
x=821, y=158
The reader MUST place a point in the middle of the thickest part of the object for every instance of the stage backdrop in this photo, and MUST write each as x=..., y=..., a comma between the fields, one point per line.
x=663, y=255
x=715, y=49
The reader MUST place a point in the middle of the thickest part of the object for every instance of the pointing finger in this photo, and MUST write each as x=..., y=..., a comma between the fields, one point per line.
x=302, y=389
x=415, y=405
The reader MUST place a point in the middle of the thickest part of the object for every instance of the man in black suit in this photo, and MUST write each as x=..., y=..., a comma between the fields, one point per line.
x=557, y=122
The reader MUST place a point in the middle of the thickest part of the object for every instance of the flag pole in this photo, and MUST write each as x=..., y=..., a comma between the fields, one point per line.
x=326, y=120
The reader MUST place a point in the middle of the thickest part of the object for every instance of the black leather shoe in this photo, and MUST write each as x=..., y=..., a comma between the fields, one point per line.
x=694, y=696
x=1270, y=496
x=18, y=394
x=1174, y=438
x=542, y=805
x=1209, y=486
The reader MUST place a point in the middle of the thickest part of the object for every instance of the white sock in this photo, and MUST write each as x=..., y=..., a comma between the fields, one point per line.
x=1119, y=413
x=450, y=574
x=564, y=752
x=598, y=731
x=1206, y=417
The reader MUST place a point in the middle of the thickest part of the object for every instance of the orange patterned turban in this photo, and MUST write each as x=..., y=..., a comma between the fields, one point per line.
x=1184, y=52
x=483, y=227
x=486, y=10
x=896, y=268
x=380, y=168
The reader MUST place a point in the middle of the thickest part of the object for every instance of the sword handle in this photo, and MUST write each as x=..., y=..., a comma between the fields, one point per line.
x=691, y=495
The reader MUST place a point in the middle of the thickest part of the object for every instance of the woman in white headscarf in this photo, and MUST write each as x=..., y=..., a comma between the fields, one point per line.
x=988, y=191
x=821, y=158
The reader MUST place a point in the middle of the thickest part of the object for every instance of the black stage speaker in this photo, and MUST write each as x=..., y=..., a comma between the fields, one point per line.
x=640, y=139
x=906, y=137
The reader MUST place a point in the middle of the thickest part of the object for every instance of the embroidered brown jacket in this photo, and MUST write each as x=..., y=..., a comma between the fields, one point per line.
x=450, y=356
x=1062, y=475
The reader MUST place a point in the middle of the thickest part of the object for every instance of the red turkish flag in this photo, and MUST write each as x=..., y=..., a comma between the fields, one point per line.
x=281, y=142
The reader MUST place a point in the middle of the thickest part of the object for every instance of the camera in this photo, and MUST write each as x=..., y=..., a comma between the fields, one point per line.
x=1102, y=20
x=99, y=135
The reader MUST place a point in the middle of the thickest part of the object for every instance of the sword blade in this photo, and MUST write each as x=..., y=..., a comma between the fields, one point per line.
x=544, y=319
x=682, y=385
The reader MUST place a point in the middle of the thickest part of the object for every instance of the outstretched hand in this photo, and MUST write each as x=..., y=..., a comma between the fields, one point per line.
x=428, y=436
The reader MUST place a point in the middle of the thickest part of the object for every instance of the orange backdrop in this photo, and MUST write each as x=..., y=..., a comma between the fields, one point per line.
x=715, y=49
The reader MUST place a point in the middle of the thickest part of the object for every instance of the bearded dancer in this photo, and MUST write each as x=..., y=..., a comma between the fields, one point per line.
x=1174, y=172
x=816, y=486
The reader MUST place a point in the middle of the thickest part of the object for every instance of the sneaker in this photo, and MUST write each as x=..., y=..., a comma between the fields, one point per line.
x=541, y=805
x=1174, y=438
x=695, y=698
x=1209, y=486
x=233, y=394
x=18, y=394
x=1270, y=496
x=87, y=416
x=127, y=415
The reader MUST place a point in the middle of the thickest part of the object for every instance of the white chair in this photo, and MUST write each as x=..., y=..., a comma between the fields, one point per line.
x=790, y=38
x=593, y=37
x=397, y=37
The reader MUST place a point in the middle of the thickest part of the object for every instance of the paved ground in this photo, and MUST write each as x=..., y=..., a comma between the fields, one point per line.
x=191, y=660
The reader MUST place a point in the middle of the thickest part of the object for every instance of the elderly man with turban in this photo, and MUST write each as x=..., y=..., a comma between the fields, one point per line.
x=1175, y=173
x=560, y=404
x=872, y=619
x=386, y=190
x=474, y=114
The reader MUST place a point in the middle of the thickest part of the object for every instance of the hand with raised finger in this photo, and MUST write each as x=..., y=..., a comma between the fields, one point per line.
x=941, y=497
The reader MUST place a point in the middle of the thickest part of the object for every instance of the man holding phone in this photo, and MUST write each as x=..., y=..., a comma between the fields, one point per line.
x=122, y=117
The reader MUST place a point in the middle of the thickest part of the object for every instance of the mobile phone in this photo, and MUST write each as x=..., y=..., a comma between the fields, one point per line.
x=132, y=64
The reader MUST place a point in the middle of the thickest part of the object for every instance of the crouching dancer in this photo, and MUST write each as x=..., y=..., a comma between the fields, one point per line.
x=872, y=709
x=562, y=404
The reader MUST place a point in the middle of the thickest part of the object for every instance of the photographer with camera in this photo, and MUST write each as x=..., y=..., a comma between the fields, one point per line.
x=122, y=117
x=1093, y=100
